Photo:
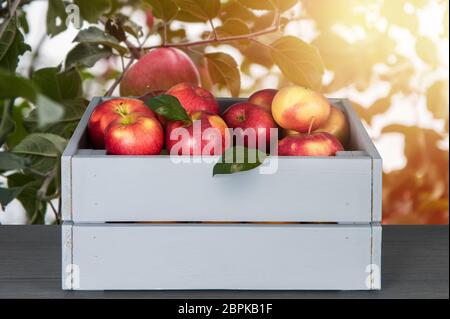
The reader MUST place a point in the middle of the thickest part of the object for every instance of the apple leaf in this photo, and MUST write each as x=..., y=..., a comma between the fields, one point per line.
x=7, y=37
x=91, y=10
x=56, y=17
x=86, y=54
x=203, y=10
x=94, y=35
x=299, y=61
x=8, y=194
x=239, y=159
x=165, y=10
x=11, y=161
x=234, y=27
x=169, y=107
x=224, y=70
x=7, y=124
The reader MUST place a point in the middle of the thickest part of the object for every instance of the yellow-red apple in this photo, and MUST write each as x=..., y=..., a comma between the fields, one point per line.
x=109, y=111
x=299, y=109
x=314, y=144
x=263, y=98
x=194, y=98
x=134, y=134
x=337, y=125
x=206, y=134
x=160, y=69
x=255, y=123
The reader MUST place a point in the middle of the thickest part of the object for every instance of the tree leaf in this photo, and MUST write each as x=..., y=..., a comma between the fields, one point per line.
x=56, y=17
x=86, y=54
x=94, y=35
x=41, y=144
x=238, y=159
x=224, y=70
x=59, y=86
x=34, y=207
x=169, y=107
x=203, y=10
x=165, y=10
x=6, y=123
x=7, y=195
x=299, y=61
x=8, y=37
x=48, y=111
x=10, y=161
x=12, y=86
x=282, y=5
x=91, y=10
x=17, y=48
x=19, y=133
x=234, y=27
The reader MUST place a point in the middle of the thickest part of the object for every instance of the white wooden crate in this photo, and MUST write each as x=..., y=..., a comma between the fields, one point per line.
x=314, y=224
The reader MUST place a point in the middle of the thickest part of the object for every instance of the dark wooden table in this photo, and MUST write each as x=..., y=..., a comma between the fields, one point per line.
x=415, y=265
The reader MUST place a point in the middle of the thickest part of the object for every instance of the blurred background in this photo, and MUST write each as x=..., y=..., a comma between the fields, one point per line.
x=389, y=57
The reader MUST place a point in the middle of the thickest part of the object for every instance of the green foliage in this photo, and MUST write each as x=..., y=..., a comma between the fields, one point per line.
x=238, y=159
x=223, y=70
x=169, y=107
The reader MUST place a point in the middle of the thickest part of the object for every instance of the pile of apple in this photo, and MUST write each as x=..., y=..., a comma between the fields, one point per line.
x=307, y=123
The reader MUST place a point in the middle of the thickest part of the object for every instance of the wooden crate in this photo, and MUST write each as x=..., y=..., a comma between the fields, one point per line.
x=313, y=224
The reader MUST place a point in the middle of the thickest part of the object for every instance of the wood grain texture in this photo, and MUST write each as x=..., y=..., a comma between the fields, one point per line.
x=415, y=265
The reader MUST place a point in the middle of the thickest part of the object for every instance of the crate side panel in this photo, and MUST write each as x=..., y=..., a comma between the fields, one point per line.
x=222, y=257
x=156, y=189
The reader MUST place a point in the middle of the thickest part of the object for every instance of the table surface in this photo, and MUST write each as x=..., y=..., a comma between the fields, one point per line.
x=415, y=265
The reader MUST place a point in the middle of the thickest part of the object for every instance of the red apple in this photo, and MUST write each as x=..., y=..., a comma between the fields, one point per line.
x=263, y=98
x=194, y=98
x=109, y=111
x=314, y=144
x=207, y=134
x=160, y=69
x=299, y=109
x=134, y=134
x=254, y=121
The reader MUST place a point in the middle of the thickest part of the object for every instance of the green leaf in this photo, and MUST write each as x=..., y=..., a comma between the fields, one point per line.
x=34, y=207
x=203, y=10
x=12, y=86
x=10, y=161
x=19, y=133
x=48, y=111
x=59, y=86
x=238, y=159
x=165, y=10
x=8, y=37
x=169, y=107
x=282, y=5
x=43, y=150
x=6, y=123
x=299, y=61
x=56, y=17
x=94, y=35
x=92, y=10
x=17, y=48
x=7, y=195
x=86, y=54
x=224, y=70
x=73, y=111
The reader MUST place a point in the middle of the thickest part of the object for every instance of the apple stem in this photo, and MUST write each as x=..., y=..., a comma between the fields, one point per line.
x=311, y=125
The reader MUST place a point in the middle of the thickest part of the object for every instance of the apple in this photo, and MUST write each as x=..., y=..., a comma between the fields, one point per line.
x=134, y=134
x=194, y=98
x=314, y=144
x=337, y=125
x=299, y=109
x=160, y=69
x=248, y=116
x=206, y=134
x=263, y=98
x=109, y=111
